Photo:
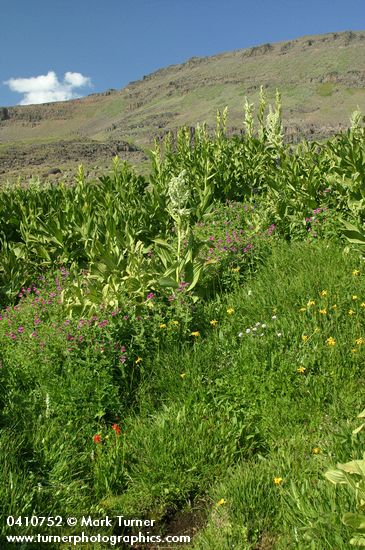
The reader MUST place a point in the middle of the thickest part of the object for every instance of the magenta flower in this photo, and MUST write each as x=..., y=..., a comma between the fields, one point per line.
x=150, y=296
x=21, y=329
x=271, y=229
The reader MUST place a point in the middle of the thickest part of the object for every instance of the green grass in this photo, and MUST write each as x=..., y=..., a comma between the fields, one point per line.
x=216, y=419
x=325, y=89
x=298, y=412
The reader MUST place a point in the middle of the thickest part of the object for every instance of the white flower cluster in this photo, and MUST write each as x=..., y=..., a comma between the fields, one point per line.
x=259, y=329
x=355, y=120
x=179, y=195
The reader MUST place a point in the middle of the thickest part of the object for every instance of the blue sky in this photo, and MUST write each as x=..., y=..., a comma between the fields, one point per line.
x=78, y=47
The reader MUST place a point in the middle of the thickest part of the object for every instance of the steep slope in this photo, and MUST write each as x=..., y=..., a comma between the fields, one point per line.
x=322, y=79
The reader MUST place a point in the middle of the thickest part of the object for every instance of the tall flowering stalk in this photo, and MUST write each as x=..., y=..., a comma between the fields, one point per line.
x=261, y=113
x=355, y=120
x=248, y=120
x=179, y=195
x=181, y=265
x=274, y=127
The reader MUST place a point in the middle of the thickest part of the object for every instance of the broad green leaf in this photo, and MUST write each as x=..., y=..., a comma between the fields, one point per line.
x=336, y=476
x=356, y=521
x=358, y=540
x=353, y=467
x=167, y=282
x=358, y=430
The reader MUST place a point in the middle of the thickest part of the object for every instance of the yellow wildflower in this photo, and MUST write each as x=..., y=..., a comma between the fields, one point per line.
x=359, y=341
x=356, y=272
x=354, y=297
x=362, y=304
x=230, y=310
x=323, y=293
x=316, y=450
x=305, y=338
x=323, y=311
x=138, y=360
x=351, y=312
x=311, y=303
x=278, y=480
x=175, y=323
x=331, y=341
x=214, y=322
x=301, y=370
x=182, y=375
x=302, y=309
x=220, y=502
x=195, y=334
x=162, y=325
x=354, y=350
x=334, y=306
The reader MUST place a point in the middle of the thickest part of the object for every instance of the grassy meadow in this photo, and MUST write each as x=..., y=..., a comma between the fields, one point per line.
x=188, y=346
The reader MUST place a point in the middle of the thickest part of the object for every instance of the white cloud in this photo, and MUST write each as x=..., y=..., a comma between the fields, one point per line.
x=77, y=80
x=47, y=88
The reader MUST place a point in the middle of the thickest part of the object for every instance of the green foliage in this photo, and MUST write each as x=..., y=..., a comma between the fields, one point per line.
x=352, y=475
x=124, y=234
x=169, y=342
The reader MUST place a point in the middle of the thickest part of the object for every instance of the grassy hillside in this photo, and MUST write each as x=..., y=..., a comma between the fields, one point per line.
x=322, y=80
x=187, y=348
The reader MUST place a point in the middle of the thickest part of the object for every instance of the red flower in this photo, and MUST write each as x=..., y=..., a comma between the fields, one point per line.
x=116, y=428
x=97, y=439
